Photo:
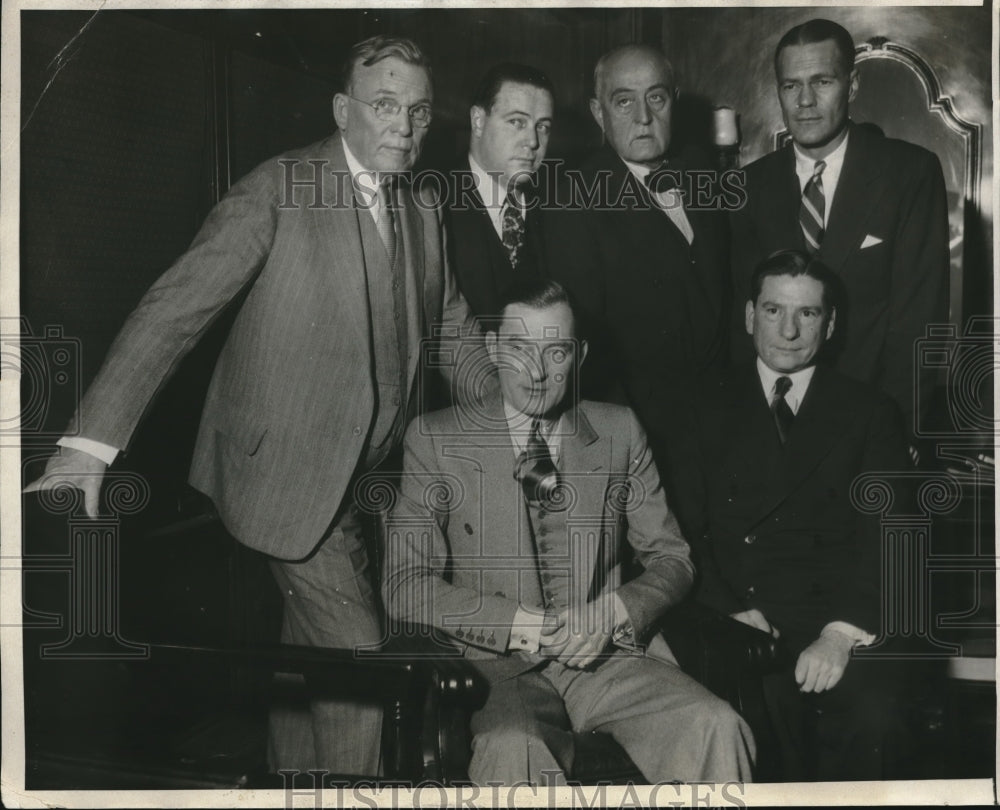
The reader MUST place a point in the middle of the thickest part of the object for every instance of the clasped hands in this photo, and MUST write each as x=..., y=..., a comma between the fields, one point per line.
x=577, y=636
x=821, y=665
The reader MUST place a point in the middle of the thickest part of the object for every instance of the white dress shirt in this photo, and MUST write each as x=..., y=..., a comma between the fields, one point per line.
x=805, y=166
x=794, y=396
x=365, y=182
x=494, y=196
x=670, y=202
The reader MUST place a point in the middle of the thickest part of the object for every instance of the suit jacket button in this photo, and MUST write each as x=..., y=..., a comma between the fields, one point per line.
x=468, y=529
x=357, y=431
x=500, y=594
x=750, y=592
x=749, y=539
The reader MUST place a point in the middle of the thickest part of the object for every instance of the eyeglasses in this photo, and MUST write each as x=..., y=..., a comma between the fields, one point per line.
x=388, y=108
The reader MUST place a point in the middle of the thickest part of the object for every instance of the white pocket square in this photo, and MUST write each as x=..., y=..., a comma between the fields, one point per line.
x=870, y=241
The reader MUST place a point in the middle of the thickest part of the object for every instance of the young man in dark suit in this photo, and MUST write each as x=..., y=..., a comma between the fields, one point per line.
x=871, y=208
x=772, y=451
x=494, y=222
x=646, y=262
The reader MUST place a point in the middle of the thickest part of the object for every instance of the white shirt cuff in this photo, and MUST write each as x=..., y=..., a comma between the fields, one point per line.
x=526, y=631
x=100, y=450
x=856, y=634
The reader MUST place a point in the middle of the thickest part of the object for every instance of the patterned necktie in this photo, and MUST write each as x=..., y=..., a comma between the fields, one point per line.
x=386, y=223
x=512, y=229
x=813, y=208
x=536, y=470
x=783, y=416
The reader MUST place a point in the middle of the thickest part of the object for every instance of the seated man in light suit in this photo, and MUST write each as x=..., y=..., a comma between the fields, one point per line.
x=508, y=536
x=773, y=449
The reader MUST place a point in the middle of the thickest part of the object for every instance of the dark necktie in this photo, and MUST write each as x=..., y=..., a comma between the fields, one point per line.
x=783, y=416
x=386, y=224
x=813, y=208
x=512, y=230
x=536, y=470
x=660, y=180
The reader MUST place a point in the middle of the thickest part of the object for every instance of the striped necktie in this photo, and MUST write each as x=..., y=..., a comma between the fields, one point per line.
x=813, y=208
x=386, y=223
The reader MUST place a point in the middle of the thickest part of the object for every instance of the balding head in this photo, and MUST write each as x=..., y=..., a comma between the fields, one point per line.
x=633, y=99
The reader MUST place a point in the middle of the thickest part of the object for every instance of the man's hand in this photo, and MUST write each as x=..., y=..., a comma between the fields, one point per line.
x=821, y=665
x=755, y=618
x=73, y=468
x=582, y=634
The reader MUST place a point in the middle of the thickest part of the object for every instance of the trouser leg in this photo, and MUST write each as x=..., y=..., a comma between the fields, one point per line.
x=672, y=727
x=521, y=734
x=328, y=602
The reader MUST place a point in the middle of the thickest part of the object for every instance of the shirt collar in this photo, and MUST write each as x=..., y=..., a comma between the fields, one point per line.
x=638, y=170
x=365, y=180
x=519, y=427
x=494, y=195
x=804, y=165
x=800, y=383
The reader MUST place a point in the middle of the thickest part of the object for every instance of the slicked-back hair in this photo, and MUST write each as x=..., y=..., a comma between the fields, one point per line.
x=819, y=30
x=494, y=79
x=537, y=293
x=797, y=263
x=374, y=49
x=655, y=53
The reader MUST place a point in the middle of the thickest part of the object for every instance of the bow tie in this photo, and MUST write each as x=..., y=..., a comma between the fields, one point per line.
x=664, y=177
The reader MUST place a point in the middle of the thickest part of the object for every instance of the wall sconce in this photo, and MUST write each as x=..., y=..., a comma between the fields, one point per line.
x=726, y=133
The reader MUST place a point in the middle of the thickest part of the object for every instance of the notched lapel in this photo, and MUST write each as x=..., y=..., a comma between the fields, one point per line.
x=820, y=424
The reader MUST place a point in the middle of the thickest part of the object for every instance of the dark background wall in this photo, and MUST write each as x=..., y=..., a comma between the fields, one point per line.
x=133, y=123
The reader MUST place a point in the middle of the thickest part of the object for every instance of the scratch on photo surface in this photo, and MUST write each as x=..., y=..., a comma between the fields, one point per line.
x=59, y=61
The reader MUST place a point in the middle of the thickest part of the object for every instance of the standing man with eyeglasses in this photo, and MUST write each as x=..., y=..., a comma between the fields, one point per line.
x=646, y=263
x=495, y=223
x=343, y=272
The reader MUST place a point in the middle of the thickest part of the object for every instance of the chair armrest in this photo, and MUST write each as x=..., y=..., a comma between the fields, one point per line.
x=716, y=650
x=428, y=693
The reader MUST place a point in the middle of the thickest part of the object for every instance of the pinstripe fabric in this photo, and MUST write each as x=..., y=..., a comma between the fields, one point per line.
x=292, y=397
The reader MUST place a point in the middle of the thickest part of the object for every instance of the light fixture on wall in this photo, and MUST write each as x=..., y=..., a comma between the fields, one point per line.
x=726, y=134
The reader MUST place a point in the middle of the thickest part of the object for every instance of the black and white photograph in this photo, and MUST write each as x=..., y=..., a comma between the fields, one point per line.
x=498, y=404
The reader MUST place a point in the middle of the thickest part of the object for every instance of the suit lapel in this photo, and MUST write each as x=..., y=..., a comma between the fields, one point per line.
x=412, y=227
x=586, y=465
x=783, y=201
x=821, y=421
x=853, y=200
x=336, y=225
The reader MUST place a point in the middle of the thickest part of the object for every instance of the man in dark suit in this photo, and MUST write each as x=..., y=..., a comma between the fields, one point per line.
x=872, y=208
x=343, y=273
x=773, y=448
x=647, y=266
x=494, y=230
x=508, y=537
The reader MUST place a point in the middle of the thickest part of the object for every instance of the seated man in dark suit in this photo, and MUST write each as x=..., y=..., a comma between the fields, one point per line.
x=774, y=447
x=493, y=221
x=509, y=537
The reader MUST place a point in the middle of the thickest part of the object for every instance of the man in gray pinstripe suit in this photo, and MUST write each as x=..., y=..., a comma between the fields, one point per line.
x=344, y=272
